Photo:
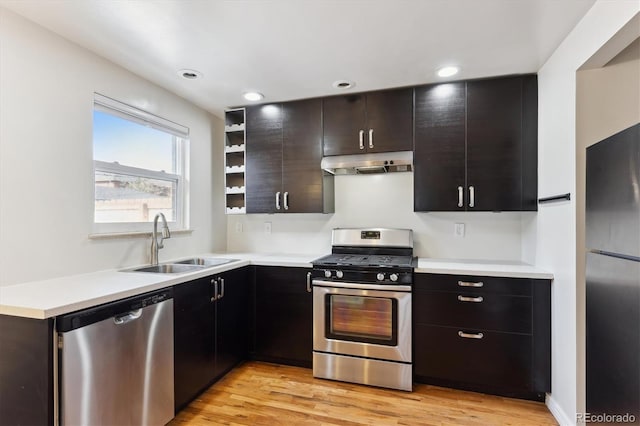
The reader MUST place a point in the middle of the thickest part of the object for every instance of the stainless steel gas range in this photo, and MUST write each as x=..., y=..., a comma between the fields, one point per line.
x=362, y=308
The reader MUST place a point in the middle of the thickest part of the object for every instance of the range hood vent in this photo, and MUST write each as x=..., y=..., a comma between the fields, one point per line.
x=361, y=164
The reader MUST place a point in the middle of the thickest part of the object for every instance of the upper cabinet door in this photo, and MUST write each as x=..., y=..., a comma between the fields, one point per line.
x=476, y=145
x=494, y=144
x=372, y=122
x=439, y=151
x=263, y=171
x=389, y=121
x=344, y=125
x=302, y=177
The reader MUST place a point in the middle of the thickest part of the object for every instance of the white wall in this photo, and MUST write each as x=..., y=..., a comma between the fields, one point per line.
x=382, y=201
x=550, y=240
x=46, y=177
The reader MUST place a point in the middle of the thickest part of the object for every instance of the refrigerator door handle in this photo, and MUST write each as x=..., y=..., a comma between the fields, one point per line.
x=616, y=255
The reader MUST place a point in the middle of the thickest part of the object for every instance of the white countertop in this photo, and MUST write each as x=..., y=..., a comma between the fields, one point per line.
x=57, y=296
x=49, y=298
x=484, y=268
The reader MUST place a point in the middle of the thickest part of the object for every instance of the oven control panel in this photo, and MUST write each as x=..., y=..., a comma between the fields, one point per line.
x=364, y=276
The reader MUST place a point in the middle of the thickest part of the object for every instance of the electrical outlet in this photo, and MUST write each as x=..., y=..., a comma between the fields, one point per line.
x=238, y=227
x=267, y=227
x=458, y=230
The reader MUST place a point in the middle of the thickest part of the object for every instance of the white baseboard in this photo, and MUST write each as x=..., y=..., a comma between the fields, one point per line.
x=561, y=417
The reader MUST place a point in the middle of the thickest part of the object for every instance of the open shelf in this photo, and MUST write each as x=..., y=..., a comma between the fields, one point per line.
x=235, y=190
x=236, y=210
x=234, y=160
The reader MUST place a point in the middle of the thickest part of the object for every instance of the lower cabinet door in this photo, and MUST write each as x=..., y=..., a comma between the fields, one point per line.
x=194, y=339
x=499, y=360
x=496, y=312
x=283, y=316
x=232, y=320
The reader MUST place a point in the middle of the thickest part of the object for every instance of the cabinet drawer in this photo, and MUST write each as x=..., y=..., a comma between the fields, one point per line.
x=497, y=359
x=496, y=312
x=473, y=284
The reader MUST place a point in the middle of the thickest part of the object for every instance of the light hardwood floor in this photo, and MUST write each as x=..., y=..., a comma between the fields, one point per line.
x=267, y=394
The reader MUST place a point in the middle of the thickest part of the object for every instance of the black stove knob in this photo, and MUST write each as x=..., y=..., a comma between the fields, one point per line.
x=327, y=274
x=380, y=276
x=339, y=274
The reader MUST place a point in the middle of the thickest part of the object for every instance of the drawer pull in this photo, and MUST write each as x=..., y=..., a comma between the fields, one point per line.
x=468, y=284
x=470, y=299
x=470, y=335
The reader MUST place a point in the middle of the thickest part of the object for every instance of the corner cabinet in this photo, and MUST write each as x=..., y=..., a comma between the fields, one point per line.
x=283, y=154
x=283, y=316
x=486, y=334
x=475, y=146
x=368, y=122
x=234, y=148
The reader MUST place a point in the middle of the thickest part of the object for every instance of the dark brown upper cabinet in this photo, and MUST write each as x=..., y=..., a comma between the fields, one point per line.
x=368, y=122
x=475, y=145
x=283, y=154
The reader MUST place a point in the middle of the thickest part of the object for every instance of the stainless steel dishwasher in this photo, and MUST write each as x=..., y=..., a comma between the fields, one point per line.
x=116, y=362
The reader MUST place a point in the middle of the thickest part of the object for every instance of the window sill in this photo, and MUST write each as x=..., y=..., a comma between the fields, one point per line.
x=136, y=234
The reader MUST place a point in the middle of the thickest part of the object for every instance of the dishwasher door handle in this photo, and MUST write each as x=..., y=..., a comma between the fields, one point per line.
x=128, y=317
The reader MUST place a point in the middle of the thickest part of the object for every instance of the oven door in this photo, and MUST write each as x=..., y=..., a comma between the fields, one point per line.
x=369, y=323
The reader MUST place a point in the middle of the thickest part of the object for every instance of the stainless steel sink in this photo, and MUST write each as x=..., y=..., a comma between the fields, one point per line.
x=167, y=268
x=182, y=266
x=205, y=261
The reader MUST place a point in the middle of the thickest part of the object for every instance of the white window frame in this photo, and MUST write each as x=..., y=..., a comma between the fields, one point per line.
x=181, y=143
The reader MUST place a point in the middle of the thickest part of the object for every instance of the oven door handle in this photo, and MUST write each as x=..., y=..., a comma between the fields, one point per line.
x=360, y=286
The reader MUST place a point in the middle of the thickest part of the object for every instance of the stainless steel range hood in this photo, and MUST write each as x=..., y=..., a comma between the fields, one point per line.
x=359, y=164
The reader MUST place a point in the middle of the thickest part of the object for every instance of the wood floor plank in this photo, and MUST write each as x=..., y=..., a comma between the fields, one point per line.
x=262, y=394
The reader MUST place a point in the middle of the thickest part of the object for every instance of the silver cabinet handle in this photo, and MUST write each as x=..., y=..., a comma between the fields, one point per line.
x=278, y=200
x=214, y=281
x=470, y=335
x=470, y=284
x=472, y=196
x=361, y=133
x=370, y=138
x=470, y=299
x=286, y=201
x=460, y=194
x=128, y=317
x=221, y=295
x=308, y=282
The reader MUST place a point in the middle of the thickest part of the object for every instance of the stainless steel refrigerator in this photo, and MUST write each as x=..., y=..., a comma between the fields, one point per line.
x=613, y=277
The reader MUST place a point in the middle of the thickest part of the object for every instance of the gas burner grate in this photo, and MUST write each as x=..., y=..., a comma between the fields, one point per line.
x=365, y=260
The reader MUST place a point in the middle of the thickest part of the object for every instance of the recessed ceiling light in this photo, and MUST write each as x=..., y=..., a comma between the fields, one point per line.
x=343, y=84
x=190, y=74
x=253, y=96
x=448, y=71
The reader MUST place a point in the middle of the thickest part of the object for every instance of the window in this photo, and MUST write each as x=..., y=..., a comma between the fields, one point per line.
x=139, y=168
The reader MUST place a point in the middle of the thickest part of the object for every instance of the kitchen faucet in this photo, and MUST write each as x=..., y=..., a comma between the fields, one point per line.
x=155, y=245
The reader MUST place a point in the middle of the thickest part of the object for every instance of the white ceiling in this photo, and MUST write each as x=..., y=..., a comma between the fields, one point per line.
x=291, y=49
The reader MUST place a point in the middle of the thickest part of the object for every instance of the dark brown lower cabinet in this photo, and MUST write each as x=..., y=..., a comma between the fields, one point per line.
x=497, y=359
x=485, y=334
x=232, y=321
x=283, y=316
x=194, y=339
x=210, y=331
x=26, y=371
